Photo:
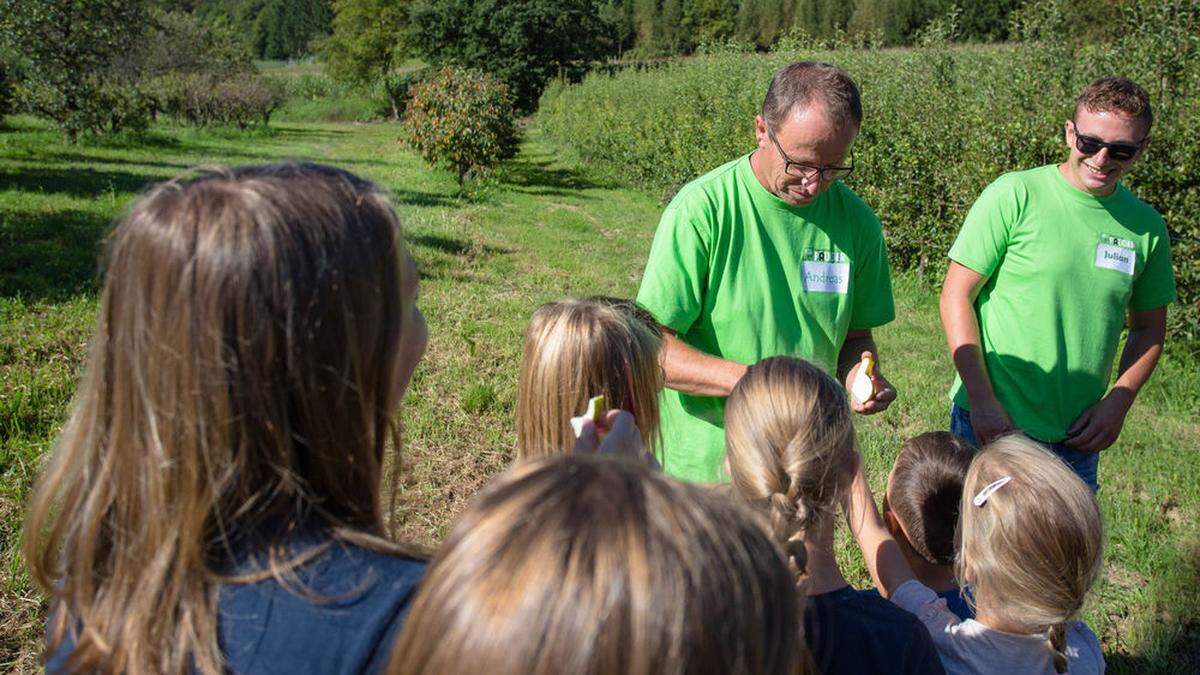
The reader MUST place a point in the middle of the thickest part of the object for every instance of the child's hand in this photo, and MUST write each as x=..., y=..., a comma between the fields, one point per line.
x=616, y=434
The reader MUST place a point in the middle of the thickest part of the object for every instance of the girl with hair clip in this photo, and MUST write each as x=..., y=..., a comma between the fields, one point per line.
x=1031, y=549
x=214, y=501
x=578, y=565
x=792, y=455
x=576, y=349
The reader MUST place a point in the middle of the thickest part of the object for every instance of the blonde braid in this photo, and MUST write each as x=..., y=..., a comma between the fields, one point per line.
x=1056, y=641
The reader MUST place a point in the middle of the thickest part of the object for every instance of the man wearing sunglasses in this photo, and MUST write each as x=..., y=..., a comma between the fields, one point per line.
x=1048, y=267
x=769, y=254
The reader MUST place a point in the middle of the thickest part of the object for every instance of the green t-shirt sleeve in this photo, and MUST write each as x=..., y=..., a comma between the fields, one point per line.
x=1155, y=286
x=677, y=269
x=873, y=304
x=983, y=239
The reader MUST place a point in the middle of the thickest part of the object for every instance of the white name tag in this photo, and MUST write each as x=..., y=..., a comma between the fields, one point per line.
x=1114, y=258
x=826, y=277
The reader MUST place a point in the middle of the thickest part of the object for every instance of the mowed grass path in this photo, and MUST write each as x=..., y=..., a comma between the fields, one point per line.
x=547, y=229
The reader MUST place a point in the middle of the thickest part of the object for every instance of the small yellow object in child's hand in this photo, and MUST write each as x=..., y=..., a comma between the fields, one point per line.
x=595, y=412
x=863, y=387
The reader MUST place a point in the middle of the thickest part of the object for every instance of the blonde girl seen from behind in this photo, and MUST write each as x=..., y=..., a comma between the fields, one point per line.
x=792, y=455
x=1031, y=549
x=218, y=484
x=576, y=349
x=581, y=565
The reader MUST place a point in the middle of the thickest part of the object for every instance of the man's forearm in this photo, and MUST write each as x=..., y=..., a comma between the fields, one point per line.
x=1143, y=347
x=962, y=337
x=691, y=371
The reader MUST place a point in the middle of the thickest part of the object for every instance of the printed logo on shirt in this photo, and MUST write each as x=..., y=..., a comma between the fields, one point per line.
x=1116, y=253
x=818, y=255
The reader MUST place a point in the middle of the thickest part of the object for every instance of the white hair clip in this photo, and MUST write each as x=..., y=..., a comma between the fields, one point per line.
x=989, y=490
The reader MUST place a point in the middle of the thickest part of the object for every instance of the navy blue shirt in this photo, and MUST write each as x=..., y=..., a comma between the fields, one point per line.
x=954, y=602
x=267, y=628
x=852, y=633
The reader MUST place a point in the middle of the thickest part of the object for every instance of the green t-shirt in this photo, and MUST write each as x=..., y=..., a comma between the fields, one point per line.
x=1063, y=267
x=738, y=273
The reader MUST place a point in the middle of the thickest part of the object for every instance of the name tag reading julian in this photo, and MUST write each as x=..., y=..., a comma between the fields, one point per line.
x=826, y=277
x=1116, y=258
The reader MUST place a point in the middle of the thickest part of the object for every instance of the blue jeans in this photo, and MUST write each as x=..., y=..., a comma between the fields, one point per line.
x=1085, y=464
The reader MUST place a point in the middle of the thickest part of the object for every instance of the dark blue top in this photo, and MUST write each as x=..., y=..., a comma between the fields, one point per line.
x=852, y=633
x=267, y=628
x=954, y=602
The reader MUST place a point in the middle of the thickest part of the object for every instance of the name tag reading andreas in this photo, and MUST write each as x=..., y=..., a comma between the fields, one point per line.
x=1115, y=258
x=826, y=277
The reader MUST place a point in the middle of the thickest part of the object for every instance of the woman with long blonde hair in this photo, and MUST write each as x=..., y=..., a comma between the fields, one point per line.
x=580, y=565
x=214, y=501
x=791, y=455
x=1031, y=549
x=580, y=348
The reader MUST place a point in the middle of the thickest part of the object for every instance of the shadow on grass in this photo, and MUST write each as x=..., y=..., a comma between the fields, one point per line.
x=50, y=256
x=416, y=198
x=77, y=182
x=533, y=175
x=440, y=257
x=1173, y=641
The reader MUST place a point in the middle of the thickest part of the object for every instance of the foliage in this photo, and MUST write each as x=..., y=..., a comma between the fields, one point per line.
x=461, y=119
x=664, y=27
x=68, y=48
x=6, y=86
x=368, y=44
x=941, y=123
x=268, y=29
x=177, y=42
x=241, y=99
x=525, y=43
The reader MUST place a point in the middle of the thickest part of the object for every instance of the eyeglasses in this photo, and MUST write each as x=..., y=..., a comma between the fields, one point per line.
x=1090, y=145
x=827, y=174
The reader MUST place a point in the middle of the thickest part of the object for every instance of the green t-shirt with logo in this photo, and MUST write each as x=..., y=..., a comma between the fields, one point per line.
x=1062, y=267
x=740, y=274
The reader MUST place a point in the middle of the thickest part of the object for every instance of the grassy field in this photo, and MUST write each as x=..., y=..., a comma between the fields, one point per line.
x=547, y=228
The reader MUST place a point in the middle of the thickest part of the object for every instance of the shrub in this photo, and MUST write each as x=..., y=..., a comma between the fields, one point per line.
x=461, y=119
x=241, y=99
x=68, y=50
x=941, y=122
x=6, y=78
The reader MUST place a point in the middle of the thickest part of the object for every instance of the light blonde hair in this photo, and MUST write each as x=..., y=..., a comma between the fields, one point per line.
x=241, y=385
x=791, y=445
x=579, y=348
x=575, y=565
x=1033, y=549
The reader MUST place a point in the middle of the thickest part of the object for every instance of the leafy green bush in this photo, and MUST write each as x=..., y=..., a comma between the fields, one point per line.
x=242, y=99
x=68, y=50
x=941, y=122
x=525, y=43
x=6, y=78
x=461, y=119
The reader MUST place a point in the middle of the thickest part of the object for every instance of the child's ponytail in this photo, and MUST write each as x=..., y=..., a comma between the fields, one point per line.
x=791, y=445
x=1056, y=640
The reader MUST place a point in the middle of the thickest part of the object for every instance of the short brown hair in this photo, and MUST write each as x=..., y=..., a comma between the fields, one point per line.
x=925, y=489
x=579, y=564
x=802, y=83
x=1116, y=94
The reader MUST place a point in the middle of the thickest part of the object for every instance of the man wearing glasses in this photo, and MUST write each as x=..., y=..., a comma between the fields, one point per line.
x=769, y=254
x=1047, y=267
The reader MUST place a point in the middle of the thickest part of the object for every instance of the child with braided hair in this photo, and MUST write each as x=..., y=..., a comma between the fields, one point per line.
x=792, y=455
x=1031, y=549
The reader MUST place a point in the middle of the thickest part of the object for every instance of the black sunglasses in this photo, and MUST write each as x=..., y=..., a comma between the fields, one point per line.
x=827, y=174
x=1090, y=145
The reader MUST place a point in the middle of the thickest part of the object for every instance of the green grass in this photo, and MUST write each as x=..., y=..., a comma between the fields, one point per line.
x=546, y=228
